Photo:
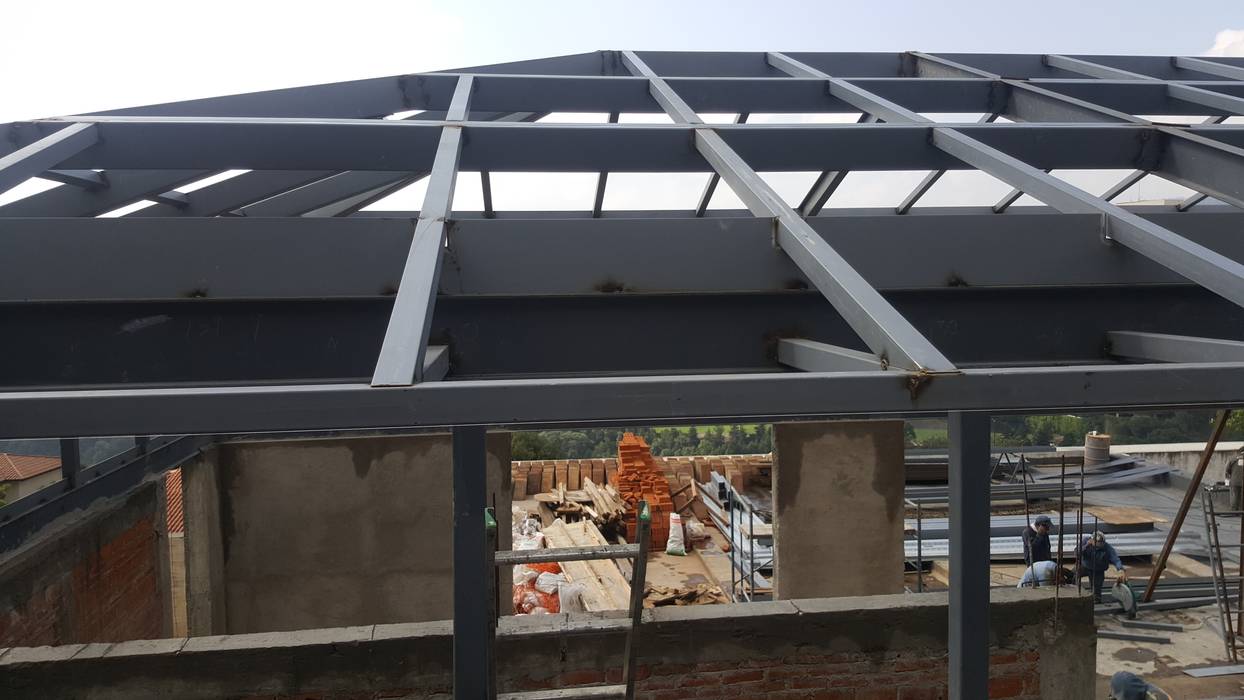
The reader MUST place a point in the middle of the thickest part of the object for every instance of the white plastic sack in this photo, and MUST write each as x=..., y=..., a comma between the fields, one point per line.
x=696, y=530
x=570, y=595
x=523, y=575
x=548, y=583
x=527, y=542
x=675, y=544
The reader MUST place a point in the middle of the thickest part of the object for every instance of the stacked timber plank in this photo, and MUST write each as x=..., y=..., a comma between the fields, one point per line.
x=604, y=586
x=531, y=477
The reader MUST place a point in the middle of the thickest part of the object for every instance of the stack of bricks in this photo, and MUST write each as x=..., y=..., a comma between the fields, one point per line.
x=640, y=478
x=530, y=477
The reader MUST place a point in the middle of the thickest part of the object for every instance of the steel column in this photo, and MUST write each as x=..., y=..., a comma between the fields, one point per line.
x=70, y=461
x=969, y=555
x=472, y=569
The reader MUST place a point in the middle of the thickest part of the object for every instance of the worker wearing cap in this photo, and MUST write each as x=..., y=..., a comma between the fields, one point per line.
x=1096, y=555
x=1037, y=540
x=1129, y=686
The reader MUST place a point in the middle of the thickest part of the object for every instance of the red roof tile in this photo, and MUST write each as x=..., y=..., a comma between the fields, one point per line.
x=22, y=467
x=176, y=509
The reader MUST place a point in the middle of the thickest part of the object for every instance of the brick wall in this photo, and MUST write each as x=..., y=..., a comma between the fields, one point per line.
x=891, y=647
x=97, y=580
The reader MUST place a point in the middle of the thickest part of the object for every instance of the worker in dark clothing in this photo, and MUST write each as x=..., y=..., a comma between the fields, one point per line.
x=1096, y=555
x=1037, y=540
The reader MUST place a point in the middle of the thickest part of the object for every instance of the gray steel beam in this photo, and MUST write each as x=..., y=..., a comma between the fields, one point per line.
x=1136, y=176
x=598, y=202
x=236, y=258
x=932, y=66
x=710, y=187
x=1201, y=65
x=1094, y=70
x=1178, y=91
x=1030, y=103
x=826, y=183
x=931, y=179
x=811, y=356
x=1191, y=201
x=406, y=340
x=124, y=187
x=1207, y=268
x=861, y=99
x=409, y=146
x=485, y=184
x=621, y=400
x=882, y=328
x=969, y=554
x=44, y=154
x=1163, y=347
x=1208, y=166
x=473, y=567
x=86, y=179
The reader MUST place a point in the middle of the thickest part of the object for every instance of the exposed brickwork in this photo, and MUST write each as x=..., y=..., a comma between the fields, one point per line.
x=640, y=478
x=96, y=582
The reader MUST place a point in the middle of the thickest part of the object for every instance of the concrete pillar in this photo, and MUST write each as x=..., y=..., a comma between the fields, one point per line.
x=327, y=533
x=838, y=508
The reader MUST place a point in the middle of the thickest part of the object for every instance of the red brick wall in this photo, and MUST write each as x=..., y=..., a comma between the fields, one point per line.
x=881, y=676
x=98, y=581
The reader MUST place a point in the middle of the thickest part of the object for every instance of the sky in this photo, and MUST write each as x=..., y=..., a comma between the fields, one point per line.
x=71, y=57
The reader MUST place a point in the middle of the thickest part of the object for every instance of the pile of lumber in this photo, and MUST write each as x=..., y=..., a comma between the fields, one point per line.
x=702, y=594
x=533, y=477
x=601, y=505
x=604, y=585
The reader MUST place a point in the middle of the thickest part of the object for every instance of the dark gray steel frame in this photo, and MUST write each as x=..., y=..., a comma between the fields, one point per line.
x=832, y=319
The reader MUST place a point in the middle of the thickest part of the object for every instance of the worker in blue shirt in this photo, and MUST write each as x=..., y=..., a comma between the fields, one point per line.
x=1096, y=555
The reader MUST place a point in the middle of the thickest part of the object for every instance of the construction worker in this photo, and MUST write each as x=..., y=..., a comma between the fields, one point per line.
x=1037, y=540
x=1096, y=555
x=1043, y=572
x=1235, y=480
x=1129, y=686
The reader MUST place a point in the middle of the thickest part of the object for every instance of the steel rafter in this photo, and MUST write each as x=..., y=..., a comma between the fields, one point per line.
x=881, y=327
x=406, y=340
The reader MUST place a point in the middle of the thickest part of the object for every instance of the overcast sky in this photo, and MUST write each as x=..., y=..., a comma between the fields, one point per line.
x=70, y=57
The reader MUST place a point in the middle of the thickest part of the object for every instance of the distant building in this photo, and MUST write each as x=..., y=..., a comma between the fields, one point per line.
x=25, y=474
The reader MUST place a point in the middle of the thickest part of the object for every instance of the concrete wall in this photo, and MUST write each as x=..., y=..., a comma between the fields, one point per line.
x=325, y=533
x=838, y=508
x=25, y=487
x=95, y=578
x=1184, y=456
x=878, y=647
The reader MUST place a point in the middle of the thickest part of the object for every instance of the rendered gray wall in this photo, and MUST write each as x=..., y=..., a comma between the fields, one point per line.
x=838, y=508
x=876, y=647
x=327, y=533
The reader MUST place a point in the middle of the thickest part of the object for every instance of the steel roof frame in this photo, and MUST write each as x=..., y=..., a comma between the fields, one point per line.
x=268, y=302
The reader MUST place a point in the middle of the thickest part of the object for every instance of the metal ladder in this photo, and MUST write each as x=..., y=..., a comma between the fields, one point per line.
x=637, y=553
x=1227, y=617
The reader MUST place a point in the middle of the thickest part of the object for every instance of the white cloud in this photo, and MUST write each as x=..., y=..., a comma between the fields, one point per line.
x=1228, y=42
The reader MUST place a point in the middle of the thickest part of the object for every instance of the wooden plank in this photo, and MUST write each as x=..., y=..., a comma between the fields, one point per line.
x=584, y=693
x=585, y=534
x=595, y=597
x=1123, y=515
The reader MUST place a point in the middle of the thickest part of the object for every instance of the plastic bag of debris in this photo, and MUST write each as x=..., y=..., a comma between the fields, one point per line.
x=570, y=596
x=548, y=583
x=526, y=531
x=696, y=531
x=676, y=544
x=523, y=574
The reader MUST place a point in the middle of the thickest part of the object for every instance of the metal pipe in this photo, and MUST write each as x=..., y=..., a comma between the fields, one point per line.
x=1219, y=425
x=919, y=549
x=1062, y=508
